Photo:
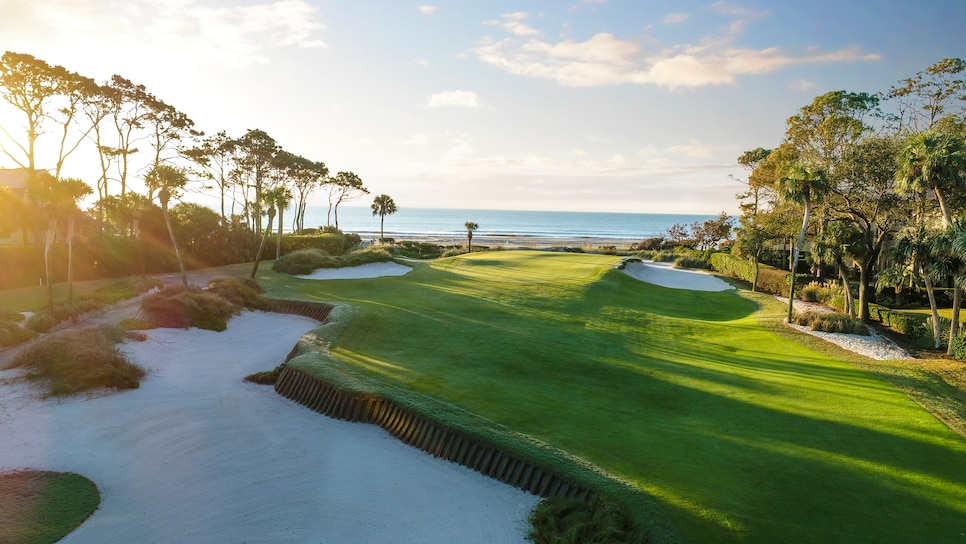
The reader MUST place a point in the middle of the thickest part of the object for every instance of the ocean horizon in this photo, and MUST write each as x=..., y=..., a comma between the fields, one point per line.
x=445, y=222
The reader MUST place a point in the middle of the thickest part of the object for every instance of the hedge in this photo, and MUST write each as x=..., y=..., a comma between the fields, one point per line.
x=770, y=279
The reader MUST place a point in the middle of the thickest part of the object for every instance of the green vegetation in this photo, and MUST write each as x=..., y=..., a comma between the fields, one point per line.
x=309, y=260
x=97, y=299
x=703, y=403
x=78, y=361
x=180, y=306
x=569, y=521
x=42, y=507
x=831, y=322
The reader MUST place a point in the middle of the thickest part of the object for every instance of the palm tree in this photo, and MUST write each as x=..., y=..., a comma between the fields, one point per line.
x=269, y=200
x=912, y=247
x=470, y=227
x=802, y=184
x=283, y=197
x=932, y=162
x=382, y=206
x=839, y=243
x=69, y=191
x=168, y=181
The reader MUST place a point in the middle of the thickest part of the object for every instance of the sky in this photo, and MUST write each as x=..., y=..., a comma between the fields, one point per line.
x=571, y=105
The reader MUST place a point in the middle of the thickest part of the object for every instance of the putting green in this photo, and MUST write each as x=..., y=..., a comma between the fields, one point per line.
x=741, y=434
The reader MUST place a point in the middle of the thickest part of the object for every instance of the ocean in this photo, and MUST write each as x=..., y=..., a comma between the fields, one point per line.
x=423, y=222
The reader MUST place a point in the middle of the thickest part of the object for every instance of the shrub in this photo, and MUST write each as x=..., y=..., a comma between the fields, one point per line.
x=80, y=361
x=307, y=261
x=10, y=317
x=333, y=243
x=179, y=306
x=416, y=250
x=12, y=334
x=692, y=262
x=570, y=521
x=959, y=347
x=831, y=322
x=246, y=293
x=131, y=324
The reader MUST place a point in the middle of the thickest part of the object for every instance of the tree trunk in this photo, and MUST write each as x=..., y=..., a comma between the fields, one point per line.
x=174, y=243
x=382, y=228
x=261, y=245
x=70, y=258
x=795, y=255
x=863, y=292
x=48, y=243
x=954, y=321
x=847, y=290
x=931, y=293
x=754, y=283
x=278, y=241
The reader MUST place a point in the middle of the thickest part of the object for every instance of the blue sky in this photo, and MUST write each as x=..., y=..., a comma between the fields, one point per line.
x=580, y=105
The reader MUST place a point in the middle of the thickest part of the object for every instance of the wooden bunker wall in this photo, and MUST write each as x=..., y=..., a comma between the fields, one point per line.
x=414, y=429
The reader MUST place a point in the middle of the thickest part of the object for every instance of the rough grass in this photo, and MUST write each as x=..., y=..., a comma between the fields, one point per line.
x=43, y=320
x=39, y=507
x=12, y=334
x=694, y=401
x=569, y=521
x=307, y=261
x=78, y=361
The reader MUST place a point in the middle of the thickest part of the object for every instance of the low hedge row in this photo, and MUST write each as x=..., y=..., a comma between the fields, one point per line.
x=770, y=279
x=913, y=327
x=332, y=243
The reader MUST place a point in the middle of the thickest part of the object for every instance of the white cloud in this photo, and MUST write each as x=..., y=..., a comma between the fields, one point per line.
x=605, y=59
x=189, y=30
x=428, y=10
x=514, y=24
x=417, y=139
x=465, y=99
x=801, y=85
x=675, y=18
x=421, y=62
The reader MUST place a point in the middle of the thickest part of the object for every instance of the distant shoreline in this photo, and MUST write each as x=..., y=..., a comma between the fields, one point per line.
x=511, y=241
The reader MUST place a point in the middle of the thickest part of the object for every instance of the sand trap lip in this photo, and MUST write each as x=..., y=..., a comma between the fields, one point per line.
x=198, y=455
x=366, y=271
x=665, y=275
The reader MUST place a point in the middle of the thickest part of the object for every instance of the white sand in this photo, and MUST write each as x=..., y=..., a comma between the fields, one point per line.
x=198, y=455
x=874, y=346
x=665, y=275
x=371, y=270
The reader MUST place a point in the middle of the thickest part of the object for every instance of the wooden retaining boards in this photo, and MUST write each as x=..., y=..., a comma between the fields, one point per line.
x=411, y=428
x=425, y=434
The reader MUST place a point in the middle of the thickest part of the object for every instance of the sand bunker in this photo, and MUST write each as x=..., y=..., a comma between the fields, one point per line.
x=198, y=455
x=371, y=270
x=665, y=275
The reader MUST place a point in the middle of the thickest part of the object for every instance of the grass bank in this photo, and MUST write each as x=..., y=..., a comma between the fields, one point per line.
x=739, y=433
x=38, y=507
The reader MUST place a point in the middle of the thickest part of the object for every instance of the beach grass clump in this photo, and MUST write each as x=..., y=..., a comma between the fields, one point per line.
x=7, y=316
x=416, y=250
x=184, y=307
x=41, y=507
x=571, y=521
x=307, y=261
x=12, y=334
x=78, y=361
x=831, y=322
x=268, y=377
x=243, y=292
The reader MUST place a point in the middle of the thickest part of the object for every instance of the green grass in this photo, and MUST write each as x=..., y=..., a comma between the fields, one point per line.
x=738, y=432
x=42, y=507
